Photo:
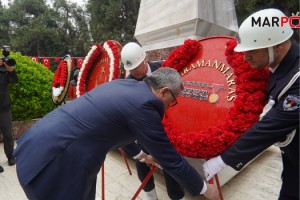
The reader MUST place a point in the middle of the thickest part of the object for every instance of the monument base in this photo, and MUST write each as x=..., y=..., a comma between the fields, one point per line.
x=224, y=176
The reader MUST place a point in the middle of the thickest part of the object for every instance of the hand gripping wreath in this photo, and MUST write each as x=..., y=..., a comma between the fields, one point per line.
x=251, y=87
x=61, y=80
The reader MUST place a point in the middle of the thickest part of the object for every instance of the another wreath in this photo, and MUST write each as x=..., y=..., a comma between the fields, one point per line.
x=88, y=62
x=251, y=87
x=113, y=50
x=61, y=80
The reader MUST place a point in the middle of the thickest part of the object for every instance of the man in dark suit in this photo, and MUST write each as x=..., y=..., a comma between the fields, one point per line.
x=60, y=156
x=279, y=123
x=134, y=60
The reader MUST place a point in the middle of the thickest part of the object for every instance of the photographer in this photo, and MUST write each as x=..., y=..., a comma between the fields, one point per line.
x=7, y=76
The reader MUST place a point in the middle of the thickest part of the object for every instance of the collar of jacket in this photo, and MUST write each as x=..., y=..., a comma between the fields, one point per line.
x=285, y=66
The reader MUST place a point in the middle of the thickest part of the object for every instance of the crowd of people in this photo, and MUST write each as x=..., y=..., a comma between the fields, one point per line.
x=60, y=156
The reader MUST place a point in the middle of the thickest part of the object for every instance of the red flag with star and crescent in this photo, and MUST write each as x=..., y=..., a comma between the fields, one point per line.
x=46, y=62
x=79, y=62
x=35, y=58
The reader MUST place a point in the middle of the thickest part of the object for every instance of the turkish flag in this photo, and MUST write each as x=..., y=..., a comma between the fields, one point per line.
x=79, y=62
x=46, y=62
x=34, y=58
x=57, y=59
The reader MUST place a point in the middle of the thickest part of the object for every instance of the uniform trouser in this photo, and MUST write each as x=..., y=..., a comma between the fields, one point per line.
x=175, y=191
x=284, y=196
x=6, y=129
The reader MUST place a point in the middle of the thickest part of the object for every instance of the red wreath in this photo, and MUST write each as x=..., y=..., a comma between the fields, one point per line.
x=60, y=75
x=115, y=48
x=251, y=87
x=87, y=65
x=93, y=56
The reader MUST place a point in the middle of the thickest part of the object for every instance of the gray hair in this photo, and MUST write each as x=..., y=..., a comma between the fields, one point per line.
x=165, y=77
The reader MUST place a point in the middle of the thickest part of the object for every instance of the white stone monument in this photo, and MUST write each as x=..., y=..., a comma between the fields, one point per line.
x=167, y=23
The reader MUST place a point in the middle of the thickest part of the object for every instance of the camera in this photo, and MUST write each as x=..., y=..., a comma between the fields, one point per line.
x=9, y=61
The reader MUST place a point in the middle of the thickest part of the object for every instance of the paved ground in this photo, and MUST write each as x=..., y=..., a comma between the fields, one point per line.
x=260, y=180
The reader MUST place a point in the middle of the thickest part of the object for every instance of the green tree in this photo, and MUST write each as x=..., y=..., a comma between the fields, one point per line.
x=33, y=28
x=73, y=26
x=40, y=29
x=113, y=19
x=4, y=26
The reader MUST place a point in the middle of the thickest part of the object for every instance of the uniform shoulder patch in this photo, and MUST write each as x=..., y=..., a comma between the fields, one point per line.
x=291, y=102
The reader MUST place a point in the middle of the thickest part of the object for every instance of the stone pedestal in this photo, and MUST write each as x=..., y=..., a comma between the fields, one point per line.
x=224, y=176
x=163, y=24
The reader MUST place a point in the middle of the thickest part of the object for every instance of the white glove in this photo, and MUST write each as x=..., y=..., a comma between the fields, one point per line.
x=213, y=166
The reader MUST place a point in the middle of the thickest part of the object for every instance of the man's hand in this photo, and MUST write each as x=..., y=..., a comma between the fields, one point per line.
x=150, y=161
x=213, y=166
x=212, y=192
x=8, y=68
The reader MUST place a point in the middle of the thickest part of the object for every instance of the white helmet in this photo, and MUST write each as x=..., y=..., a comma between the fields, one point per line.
x=253, y=35
x=132, y=55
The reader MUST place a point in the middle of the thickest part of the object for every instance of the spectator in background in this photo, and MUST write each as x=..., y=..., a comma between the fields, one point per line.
x=7, y=76
x=73, y=84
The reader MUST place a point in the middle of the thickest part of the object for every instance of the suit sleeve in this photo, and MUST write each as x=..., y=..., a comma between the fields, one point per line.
x=274, y=127
x=146, y=124
x=132, y=149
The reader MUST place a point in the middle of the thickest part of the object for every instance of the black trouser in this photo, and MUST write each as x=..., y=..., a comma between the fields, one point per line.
x=175, y=191
x=286, y=195
x=6, y=129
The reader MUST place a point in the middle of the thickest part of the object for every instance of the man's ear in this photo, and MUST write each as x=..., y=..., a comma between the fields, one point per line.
x=163, y=91
x=281, y=46
x=278, y=47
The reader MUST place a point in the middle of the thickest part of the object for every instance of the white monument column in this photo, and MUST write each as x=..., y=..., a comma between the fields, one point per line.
x=167, y=23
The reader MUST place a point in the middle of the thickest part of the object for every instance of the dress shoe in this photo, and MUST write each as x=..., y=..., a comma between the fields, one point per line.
x=11, y=161
x=1, y=169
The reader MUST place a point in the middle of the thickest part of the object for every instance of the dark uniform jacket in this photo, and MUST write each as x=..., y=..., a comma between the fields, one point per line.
x=281, y=120
x=6, y=78
x=153, y=66
x=133, y=149
x=60, y=156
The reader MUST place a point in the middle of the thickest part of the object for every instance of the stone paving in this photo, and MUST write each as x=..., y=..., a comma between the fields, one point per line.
x=260, y=180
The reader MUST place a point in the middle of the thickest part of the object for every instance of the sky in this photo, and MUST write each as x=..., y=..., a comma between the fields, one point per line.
x=79, y=2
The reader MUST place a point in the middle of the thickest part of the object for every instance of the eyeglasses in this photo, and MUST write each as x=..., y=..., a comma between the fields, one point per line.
x=175, y=102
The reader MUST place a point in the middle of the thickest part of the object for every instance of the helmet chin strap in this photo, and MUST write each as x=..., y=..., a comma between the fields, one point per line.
x=271, y=55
